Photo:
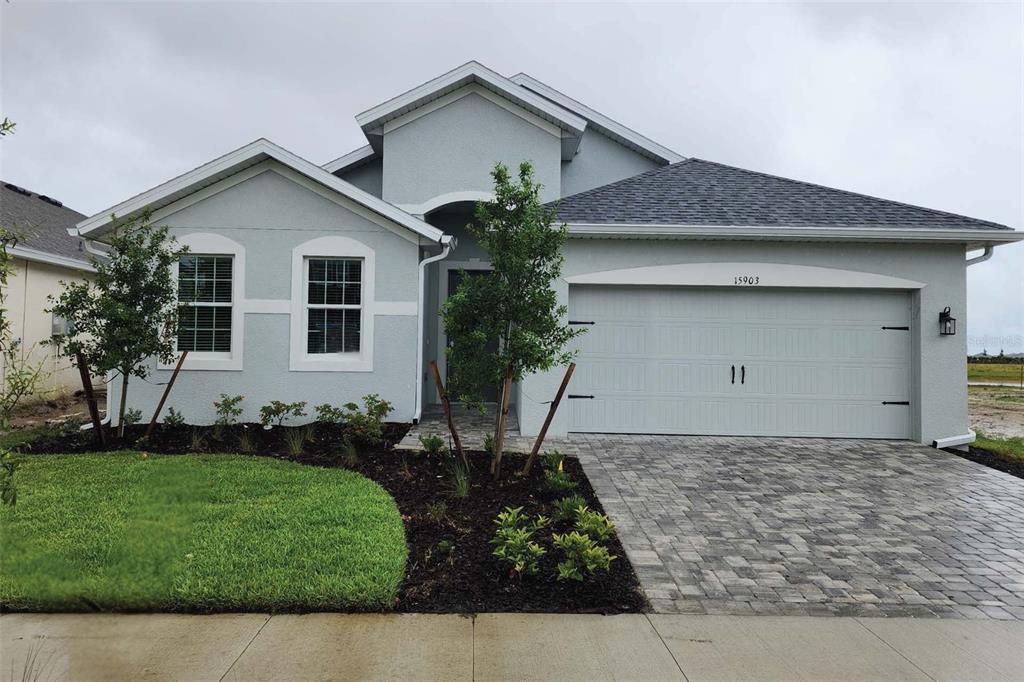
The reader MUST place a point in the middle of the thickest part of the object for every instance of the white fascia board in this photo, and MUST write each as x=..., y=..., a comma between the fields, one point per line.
x=604, y=124
x=50, y=258
x=861, y=234
x=353, y=159
x=251, y=153
x=467, y=73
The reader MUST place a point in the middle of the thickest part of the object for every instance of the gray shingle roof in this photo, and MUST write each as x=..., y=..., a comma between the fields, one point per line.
x=698, y=192
x=40, y=224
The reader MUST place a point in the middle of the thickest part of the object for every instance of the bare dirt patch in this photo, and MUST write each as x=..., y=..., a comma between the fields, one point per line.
x=67, y=407
x=996, y=411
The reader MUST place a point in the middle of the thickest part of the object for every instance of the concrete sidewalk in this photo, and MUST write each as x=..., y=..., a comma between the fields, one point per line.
x=505, y=646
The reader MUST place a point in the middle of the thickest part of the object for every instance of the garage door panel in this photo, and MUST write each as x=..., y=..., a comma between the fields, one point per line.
x=809, y=363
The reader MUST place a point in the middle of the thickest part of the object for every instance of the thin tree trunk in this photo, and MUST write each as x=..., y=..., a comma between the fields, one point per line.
x=124, y=397
x=90, y=398
x=499, y=436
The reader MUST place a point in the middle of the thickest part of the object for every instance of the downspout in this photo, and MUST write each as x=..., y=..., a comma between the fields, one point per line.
x=448, y=243
x=969, y=437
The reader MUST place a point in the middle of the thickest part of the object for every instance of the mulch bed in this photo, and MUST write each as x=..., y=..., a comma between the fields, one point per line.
x=1014, y=467
x=451, y=568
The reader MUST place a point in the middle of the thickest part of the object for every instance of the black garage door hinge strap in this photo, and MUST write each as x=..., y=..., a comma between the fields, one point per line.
x=901, y=329
x=581, y=322
x=895, y=402
x=573, y=396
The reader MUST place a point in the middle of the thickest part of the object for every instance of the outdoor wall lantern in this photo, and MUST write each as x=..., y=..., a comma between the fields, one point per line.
x=947, y=323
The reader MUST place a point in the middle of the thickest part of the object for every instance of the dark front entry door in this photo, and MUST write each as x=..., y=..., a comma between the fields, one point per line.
x=489, y=392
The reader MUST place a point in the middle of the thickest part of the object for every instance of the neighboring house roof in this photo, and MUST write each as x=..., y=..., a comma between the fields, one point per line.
x=354, y=159
x=372, y=121
x=236, y=161
x=606, y=126
x=702, y=193
x=41, y=225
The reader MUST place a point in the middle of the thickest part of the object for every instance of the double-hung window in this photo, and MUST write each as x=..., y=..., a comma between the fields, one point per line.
x=204, y=303
x=334, y=305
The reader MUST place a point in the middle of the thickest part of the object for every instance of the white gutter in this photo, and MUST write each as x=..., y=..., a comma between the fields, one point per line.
x=448, y=243
x=982, y=258
x=954, y=441
x=50, y=258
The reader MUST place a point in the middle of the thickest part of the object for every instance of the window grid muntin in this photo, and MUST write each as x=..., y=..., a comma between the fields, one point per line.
x=333, y=292
x=205, y=297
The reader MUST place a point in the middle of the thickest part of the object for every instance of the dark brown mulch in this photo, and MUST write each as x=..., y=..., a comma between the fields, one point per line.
x=1014, y=467
x=451, y=568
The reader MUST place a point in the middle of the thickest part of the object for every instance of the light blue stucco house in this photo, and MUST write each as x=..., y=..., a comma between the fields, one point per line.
x=717, y=300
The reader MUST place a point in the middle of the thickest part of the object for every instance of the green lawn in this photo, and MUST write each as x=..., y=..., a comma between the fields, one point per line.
x=1011, y=448
x=196, y=533
x=1008, y=373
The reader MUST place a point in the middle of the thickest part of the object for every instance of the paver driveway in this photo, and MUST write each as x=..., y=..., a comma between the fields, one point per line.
x=809, y=526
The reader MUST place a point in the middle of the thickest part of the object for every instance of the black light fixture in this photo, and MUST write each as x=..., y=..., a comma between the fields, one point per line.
x=947, y=323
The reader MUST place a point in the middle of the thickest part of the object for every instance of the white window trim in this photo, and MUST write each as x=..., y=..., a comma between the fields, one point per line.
x=331, y=247
x=206, y=243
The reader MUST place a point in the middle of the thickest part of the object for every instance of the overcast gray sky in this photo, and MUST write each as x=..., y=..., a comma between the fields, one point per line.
x=916, y=102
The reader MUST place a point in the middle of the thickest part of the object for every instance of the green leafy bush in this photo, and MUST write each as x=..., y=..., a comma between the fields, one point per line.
x=559, y=481
x=277, y=411
x=489, y=444
x=174, y=418
x=437, y=511
x=552, y=461
x=513, y=542
x=565, y=508
x=581, y=554
x=228, y=412
x=368, y=424
x=132, y=416
x=329, y=414
x=432, y=443
x=598, y=527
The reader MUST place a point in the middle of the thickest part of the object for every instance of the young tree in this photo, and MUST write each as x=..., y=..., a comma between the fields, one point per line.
x=128, y=313
x=514, y=305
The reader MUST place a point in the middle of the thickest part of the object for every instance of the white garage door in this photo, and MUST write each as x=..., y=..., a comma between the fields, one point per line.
x=759, y=362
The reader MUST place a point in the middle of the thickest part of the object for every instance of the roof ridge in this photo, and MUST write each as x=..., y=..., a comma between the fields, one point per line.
x=845, y=191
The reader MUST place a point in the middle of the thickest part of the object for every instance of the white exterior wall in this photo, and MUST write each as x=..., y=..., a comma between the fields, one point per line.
x=939, y=395
x=27, y=297
x=269, y=215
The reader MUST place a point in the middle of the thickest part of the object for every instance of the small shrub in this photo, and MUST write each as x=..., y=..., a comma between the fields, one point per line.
x=598, y=527
x=196, y=441
x=433, y=444
x=581, y=554
x=368, y=424
x=565, y=508
x=552, y=461
x=295, y=440
x=132, y=416
x=489, y=444
x=174, y=418
x=329, y=414
x=276, y=412
x=445, y=546
x=460, y=477
x=228, y=412
x=559, y=481
x=246, y=442
x=513, y=541
x=349, y=454
x=437, y=511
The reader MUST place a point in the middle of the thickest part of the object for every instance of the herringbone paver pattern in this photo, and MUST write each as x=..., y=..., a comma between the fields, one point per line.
x=812, y=526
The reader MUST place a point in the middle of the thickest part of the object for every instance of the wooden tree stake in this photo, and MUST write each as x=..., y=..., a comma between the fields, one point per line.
x=547, y=420
x=167, y=390
x=448, y=412
x=90, y=397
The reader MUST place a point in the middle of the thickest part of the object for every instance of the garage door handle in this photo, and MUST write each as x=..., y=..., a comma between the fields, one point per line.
x=743, y=374
x=734, y=374
x=573, y=396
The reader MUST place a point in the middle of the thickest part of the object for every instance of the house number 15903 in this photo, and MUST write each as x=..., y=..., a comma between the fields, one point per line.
x=747, y=279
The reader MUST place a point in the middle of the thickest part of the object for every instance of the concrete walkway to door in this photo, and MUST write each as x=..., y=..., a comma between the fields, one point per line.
x=812, y=527
x=330, y=646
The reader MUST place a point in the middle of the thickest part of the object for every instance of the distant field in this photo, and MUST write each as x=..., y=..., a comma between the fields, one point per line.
x=992, y=372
